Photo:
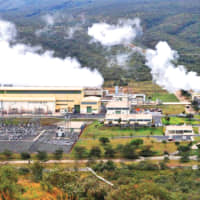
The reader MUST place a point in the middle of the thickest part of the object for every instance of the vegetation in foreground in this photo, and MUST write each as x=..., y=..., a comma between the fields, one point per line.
x=144, y=180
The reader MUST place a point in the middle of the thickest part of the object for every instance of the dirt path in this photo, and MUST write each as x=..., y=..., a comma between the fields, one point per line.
x=158, y=158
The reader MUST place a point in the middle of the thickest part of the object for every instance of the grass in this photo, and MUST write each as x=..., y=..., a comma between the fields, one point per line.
x=196, y=139
x=159, y=147
x=153, y=90
x=180, y=121
x=167, y=109
x=149, y=88
x=96, y=130
x=164, y=97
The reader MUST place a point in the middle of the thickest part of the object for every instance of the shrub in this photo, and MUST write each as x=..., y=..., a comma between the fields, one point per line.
x=7, y=153
x=137, y=142
x=37, y=171
x=104, y=140
x=95, y=152
x=58, y=154
x=25, y=155
x=109, y=152
x=23, y=170
x=80, y=152
x=42, y=155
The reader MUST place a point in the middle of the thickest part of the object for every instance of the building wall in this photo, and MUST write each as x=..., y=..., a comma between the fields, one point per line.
x=65, y=99
x=93, y=106
x=117, y=111
x=17, y=107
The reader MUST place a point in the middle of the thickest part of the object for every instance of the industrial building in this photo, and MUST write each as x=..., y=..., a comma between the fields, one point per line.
x=128, y=119
x=178, y=130
x=46, y=100
x=118, y=107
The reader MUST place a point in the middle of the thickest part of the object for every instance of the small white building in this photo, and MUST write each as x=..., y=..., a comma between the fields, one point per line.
x=128, y=119
x=178, y=130
x=138, y=99
x=118, y=107
x=91, y=105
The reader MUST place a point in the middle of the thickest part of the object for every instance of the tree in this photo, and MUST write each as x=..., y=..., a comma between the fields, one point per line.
x=146, y=151
x=95, y=152
x=177, y=143
x=9, y=182
x=137, y=142
x=7, y=153
x=185, y=157
x=58, y=154
x=109, y=152
x=104, y=140
x=129, y=151
x=80, y=152
x=184, y=151
x=37, y=171
x=25, y=155
x=42, y=155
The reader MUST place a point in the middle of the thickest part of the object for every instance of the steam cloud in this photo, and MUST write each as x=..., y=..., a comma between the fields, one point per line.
x=122, y=33
x=166, y=73
x=21, y=65
x=71, y=31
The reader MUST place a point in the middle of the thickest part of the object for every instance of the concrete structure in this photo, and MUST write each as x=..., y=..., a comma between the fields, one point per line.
x=98, y=92
x=19, y=100
x=128, y=119
x=138, y=99
x=196, y=97
x=178, y=130
x=118, y=107
x=91, y=105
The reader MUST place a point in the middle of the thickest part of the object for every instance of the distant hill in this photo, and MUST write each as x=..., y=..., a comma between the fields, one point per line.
x=174, y=21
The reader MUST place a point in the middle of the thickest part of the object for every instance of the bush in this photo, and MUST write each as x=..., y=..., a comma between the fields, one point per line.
x=23, y=170
x=7, y=153
x=58, y=154
x=80, y=152
x=101, y=166
x=137, y=142
x=185, y=158
x=95, y=152
x=25, y=155
x=129, y=151
x=9, y=183
x=146, y=151
x=37, y=171
x=42, y=155
x=146, y=165
x=104, y=140
x=109, y=152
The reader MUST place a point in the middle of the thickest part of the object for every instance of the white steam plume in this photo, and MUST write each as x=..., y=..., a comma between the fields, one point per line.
x=120, y=59
x=71, y=31
x=49, y=21
x=166, y=73
x=122, y=33
x=21, y=65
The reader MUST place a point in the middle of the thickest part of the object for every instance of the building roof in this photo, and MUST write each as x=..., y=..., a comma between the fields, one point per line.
x=40, y=88
x=173, y=127
x=91, y=99
x=27, y=99
x=118, y=104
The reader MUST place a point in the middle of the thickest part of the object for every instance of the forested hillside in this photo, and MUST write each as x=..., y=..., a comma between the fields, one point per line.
x=176, y=22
